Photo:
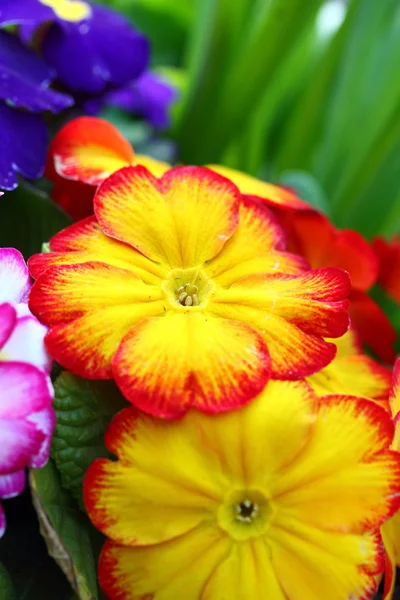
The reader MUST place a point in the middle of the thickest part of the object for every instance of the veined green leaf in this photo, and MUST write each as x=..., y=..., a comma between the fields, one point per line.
x=84, y=409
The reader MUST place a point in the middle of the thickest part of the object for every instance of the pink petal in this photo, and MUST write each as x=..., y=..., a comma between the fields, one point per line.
x=8, y=318
x=12, y=485
x=15, y=282
x=24, y=389
x=2, y=520
x=26, y=343
x=20, y=440
x=45, y=421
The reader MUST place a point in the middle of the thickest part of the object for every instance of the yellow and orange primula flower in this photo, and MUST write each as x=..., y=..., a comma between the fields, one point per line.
x=256, y=503
x=181, y=290
x=391, y=529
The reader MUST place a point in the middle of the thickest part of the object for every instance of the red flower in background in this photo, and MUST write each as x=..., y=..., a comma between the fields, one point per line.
x=313, y=236
x=388, y=253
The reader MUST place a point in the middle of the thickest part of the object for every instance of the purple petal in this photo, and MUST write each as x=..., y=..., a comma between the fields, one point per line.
x=8, y=317
x=25, y=389
x=24, y=146
x=13, y=12
x=25, y=78
x=12, y=485
x=149, y=97
x=26, y=343
x=45, y=421
x=20, y=440
x=2, y=520
x=15, y=283
x=102, y=50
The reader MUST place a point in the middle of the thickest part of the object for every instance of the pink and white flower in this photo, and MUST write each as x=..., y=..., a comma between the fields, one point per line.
x=27, y=417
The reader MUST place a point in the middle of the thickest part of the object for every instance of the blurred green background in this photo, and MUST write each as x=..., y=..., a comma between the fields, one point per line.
x=305, y=93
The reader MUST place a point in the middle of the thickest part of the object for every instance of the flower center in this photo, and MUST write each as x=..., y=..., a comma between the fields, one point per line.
x=188, y=294
x=245, y=514
x=188, y=288
x=246, y=511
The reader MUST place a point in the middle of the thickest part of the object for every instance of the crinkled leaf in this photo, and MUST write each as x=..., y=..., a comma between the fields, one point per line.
x=84, y=410
x=66, y=530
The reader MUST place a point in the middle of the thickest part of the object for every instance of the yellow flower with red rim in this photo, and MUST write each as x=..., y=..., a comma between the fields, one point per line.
x=181, y=290
x=255, y=503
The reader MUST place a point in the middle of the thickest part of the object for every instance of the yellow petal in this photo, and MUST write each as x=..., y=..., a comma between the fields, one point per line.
x=182, y=219
x=246, y=574
x=274, y=195
x=256, y=247
x=175, y=570
x=334, y=484
x=312, y=564
x=156, y=167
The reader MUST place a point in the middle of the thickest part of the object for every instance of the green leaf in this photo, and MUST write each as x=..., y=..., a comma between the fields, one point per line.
x=7, y=591
x=84, y=409
x=66, y=530
x=307, y=187
x=29, y=218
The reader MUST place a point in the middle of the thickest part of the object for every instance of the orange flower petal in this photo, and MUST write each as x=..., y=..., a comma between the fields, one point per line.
x=91, y=307
x=165, y=365
x=388, y=253
x=190, y=213
x=68, y=292
x=85, y=242
x=373, y=326
x=88, y=149
x=256, y=247
x=273, y=195
x=124, y=572
x=312, y=235
x=314, y=301
x=328, y=487
x=289, y=311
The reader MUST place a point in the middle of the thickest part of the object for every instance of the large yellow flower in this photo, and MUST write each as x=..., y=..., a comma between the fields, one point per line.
x=391, y=529
x=181, y=290
x=252, y=504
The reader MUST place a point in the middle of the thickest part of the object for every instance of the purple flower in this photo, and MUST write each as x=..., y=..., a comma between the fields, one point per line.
x=91, y=47
x=27, y=418
x=24, y=84
x=149, y=97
